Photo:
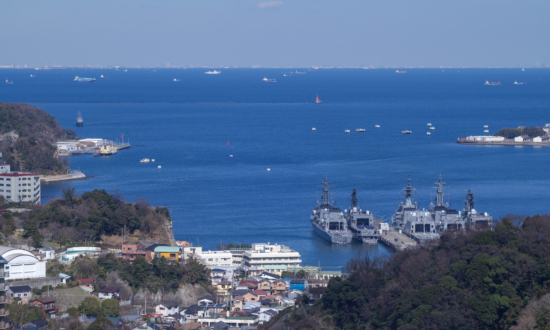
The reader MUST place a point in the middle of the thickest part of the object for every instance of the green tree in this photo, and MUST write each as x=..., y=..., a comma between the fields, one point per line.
x=73, y=312
x=31, y=230
x=110, y=308
x=90, y=306
x=99, y=324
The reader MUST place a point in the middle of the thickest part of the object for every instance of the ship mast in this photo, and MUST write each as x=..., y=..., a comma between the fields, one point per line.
x=354, y=198
x=469, y=201
x=408, y=191
x=324, y=200
x=439, y=197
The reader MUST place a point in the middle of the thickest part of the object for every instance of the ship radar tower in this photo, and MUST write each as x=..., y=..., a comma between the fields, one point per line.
x=439, y=197
x=408, y=191
x=325, y=197
x=469, y=203
x=354, y=198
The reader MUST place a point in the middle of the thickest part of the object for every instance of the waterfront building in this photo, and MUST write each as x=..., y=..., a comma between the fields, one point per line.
x=273, y=258
x=540, y=139
x=19, y=186
x=21, y=264
x=3, y=297
x=485, y=138
x=131, y=251
x=212, y=259
x=169, y=252
x=523, y=138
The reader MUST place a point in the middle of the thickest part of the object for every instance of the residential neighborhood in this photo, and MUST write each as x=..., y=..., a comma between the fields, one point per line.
x=248, y=286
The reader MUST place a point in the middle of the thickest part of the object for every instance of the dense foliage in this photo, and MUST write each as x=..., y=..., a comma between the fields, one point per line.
x=93, y=307
x=472, y=280
x=80, y=219
x=27, y=134
x=511, y=133
x=160, y=274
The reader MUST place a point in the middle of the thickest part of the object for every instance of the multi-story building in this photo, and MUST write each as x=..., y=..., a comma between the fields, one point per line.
x=19, y=186
x=211, y=259
x=3, y=297
x=131, y=251
x=273, y=258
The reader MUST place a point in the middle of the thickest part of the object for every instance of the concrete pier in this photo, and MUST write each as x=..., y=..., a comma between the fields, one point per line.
x=394, y=239
x=62, y=177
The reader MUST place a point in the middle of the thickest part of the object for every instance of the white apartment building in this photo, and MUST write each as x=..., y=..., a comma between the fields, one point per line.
x=211, y=259
x=19, y=186
x=272, y=258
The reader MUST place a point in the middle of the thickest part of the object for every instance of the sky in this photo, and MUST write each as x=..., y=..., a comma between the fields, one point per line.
x=297, y=33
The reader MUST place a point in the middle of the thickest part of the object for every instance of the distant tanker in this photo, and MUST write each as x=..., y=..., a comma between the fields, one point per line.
x=79, y=79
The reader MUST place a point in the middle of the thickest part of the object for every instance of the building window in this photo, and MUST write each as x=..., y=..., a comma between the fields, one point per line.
x=8, y=179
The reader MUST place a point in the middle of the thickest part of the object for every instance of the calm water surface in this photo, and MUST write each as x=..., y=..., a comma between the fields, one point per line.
x=215, y=198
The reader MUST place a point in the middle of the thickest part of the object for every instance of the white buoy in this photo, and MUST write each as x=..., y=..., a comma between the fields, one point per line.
x=268, y=169
x=159, y=166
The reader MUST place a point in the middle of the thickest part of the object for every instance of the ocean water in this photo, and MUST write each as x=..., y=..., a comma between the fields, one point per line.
x=214, y=198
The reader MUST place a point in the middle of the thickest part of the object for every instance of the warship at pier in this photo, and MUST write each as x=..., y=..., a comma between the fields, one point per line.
x=328, y=221
x=424, y=225
x=361, y=223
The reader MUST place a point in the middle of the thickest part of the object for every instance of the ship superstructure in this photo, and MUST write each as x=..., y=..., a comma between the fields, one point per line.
x=473, y=218
x=328, y=221
x=361, y=223
x=79, y=120
x=404, y=210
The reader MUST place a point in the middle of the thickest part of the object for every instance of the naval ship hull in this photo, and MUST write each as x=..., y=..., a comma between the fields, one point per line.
x=334, y=239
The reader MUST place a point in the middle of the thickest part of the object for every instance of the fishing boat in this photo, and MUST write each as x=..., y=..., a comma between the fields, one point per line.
x=317, y=101
x=297, y=72
x=492, y=83
x=485, y=126
x=428, y=133
x=32, y=76
x=518, y=83
x=79, y=120
x=101, y=76
x=486, y=131
x=314, y=129
x=432, y=128
x=268, y=80
x=287, y=75
x=347, y=131
x=397, y=71
x=429, y=124
x=406, y=132
x=360, y=130
x=376, y=126
x=9, y=82
x=213, y=72
x=145, y=160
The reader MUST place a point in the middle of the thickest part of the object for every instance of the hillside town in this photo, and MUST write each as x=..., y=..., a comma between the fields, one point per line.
x=250, y=286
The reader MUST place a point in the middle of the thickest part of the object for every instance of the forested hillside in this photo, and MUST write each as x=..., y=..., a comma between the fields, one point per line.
x=27, y=134
x=473, y=280
x=88, y=218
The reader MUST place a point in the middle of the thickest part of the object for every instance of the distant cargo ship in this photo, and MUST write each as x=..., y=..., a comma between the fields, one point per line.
x=297, y=72
x=268, y=80
x=397, y=71
x=9, y=82
x=82, y=79
x=79, y=120
x=518, y=83
x=43, y=69
x=487, y=82
x=213, y=72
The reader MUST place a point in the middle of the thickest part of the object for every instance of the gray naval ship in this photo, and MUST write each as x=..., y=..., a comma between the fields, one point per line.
x=425, y=225
x=361, y=223
x=328, y=221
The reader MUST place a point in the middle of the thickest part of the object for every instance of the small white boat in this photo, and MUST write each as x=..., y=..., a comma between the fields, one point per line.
x=406, y=132
x=428, y=133
x=522, y=69
x=230, y=155
x=518, y=83
x=32, y=76
x=176, y=79
x=145, y=160
x=159, y=166
x=213, y=72
x=153, y=160
x=125, y=70
x=360, y=130
x=9, y=82
x=102, y=76
x=268, y=169
x=429, y=124
x=314, y=129
x=347, y=131
x=377, y=126
x=486, y=131
x=485, y=126
x=432, y=128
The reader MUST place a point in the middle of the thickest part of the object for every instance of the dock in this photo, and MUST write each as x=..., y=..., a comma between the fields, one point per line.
x=394, y=239
x=63, y=177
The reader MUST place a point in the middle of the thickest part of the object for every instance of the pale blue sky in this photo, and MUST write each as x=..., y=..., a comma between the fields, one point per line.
x=276, y=33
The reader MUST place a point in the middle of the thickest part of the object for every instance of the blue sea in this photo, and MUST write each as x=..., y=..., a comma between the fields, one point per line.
x=213, y=198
